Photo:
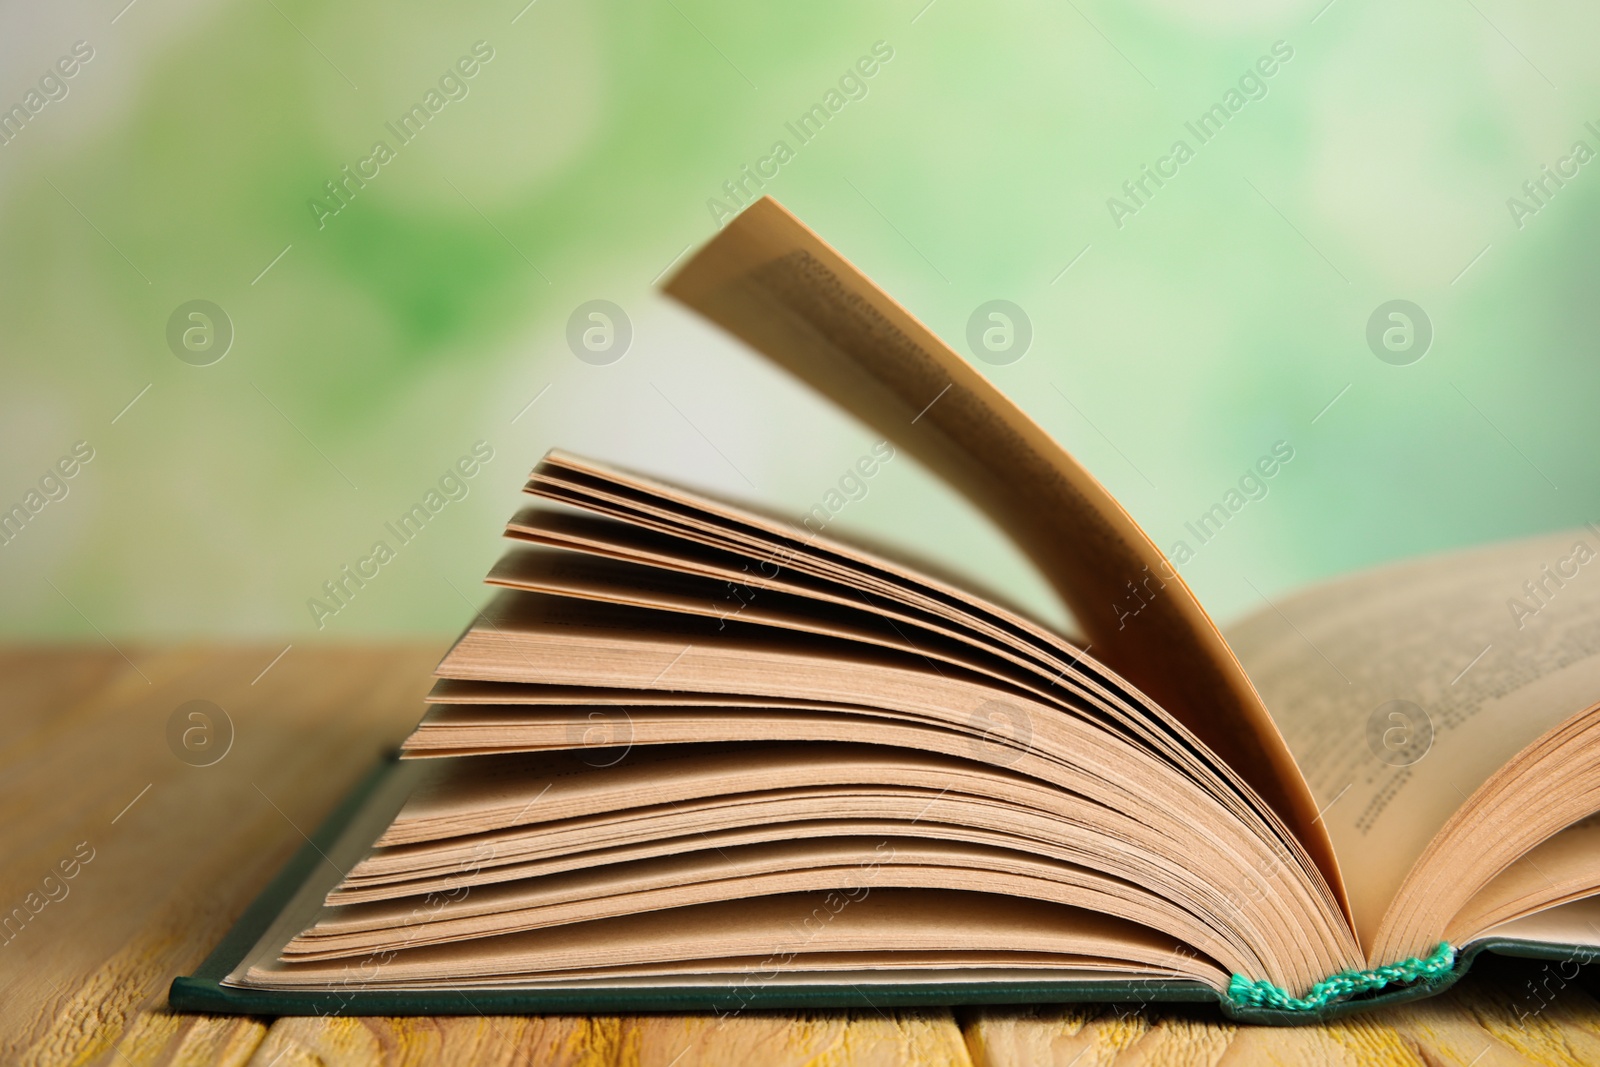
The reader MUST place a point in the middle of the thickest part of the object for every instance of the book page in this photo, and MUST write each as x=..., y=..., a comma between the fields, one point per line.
x=1573, y=923
x=1401, y=690
x=1563, y=869
x=776, y=931
x=851, y=865
x=495, y=792
x=773, y=283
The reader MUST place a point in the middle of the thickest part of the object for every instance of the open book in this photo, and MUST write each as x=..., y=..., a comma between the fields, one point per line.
x=693, y=755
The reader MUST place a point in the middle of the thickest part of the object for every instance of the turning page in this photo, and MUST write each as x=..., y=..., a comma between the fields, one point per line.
x=769, y=280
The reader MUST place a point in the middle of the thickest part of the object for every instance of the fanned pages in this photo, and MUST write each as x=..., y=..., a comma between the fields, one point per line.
x=693, y=754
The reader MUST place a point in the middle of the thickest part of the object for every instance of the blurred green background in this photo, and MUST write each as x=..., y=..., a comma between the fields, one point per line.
x=1168, y=353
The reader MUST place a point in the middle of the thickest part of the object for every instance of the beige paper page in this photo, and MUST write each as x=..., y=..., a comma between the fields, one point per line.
x=1575, y=923
x=1440, y=633
x=884, y=923
x=773, y=283
x=1564, y=868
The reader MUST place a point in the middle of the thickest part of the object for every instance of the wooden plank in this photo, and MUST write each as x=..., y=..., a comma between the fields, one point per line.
x=930, y=1039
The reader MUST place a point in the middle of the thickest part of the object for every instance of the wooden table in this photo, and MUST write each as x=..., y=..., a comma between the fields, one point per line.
x=178, y=850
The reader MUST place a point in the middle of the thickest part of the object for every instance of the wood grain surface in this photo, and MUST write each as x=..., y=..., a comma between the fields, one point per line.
x=178, y=851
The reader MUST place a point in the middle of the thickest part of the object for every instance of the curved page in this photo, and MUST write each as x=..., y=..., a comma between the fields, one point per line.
x=773, y=283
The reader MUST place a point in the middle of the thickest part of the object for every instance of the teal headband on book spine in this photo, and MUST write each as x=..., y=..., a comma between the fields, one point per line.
x=1259, y=993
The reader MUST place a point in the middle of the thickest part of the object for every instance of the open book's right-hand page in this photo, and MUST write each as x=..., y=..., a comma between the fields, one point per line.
x=1445, y=714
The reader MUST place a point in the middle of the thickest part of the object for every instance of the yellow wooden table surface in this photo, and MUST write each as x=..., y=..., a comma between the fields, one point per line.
x=179, y=850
